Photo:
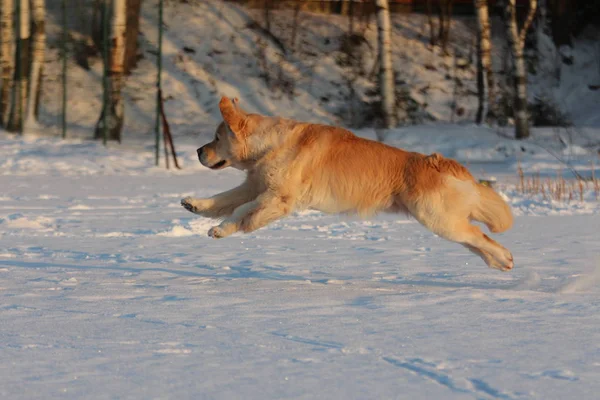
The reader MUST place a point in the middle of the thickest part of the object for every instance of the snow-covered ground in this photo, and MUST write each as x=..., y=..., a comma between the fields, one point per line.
x=109, y=289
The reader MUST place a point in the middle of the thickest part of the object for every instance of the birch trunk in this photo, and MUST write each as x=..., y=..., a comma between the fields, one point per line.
x=132, y=32
x=516, y=39
x=386, y=71
x=115, y=108
x=485, y=55
x=37, y=59
x=7, y=53
x=344, y=7
x=19, y=102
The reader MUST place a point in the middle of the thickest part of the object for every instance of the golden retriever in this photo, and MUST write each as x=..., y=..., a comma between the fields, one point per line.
x=293, y=166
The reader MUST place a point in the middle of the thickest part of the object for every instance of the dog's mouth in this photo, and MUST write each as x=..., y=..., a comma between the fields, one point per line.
x=219, y=165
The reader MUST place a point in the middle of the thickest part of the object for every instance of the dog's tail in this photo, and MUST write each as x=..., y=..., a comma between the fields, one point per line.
x=492, y=210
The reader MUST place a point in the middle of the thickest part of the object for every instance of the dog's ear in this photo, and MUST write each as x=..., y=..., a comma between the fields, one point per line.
x=233, y=115
x=236, y=104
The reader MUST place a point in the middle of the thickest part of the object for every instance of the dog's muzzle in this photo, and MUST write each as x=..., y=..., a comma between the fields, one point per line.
x=202, y=160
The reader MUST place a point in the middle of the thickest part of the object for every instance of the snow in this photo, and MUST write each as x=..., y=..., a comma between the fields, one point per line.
x=109, y=289
x=223, y=59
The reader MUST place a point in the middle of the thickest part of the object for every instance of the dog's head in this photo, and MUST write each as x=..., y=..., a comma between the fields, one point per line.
x=230, y=144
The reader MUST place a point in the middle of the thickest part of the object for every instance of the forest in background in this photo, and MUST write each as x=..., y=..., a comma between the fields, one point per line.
x=538, y=36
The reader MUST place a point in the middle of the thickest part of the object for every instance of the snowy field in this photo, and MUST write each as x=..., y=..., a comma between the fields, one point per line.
x=110, y=290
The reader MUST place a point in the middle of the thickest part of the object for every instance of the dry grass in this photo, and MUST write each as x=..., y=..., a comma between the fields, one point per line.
x=558, y=188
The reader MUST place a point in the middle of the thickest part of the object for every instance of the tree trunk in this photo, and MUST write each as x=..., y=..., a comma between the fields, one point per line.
x=295, y=22
x=485, y=54
x=267, y=13
x=546, y=51
x=7, y=53
x=445, y=17
x=132, y=32
x=344, y=6
x=441, y=17
x=516, y=41
x=22, y=57
x=481, y=109
x=432, y=36
x=561, y=21
x=351, y=17
x=386, y=71
x=37, y=59
x=115, y=108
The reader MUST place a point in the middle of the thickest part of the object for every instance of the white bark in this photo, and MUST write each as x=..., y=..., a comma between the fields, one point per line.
x=119, y=23
x=117, y=70
x=386, y=71
x=7, y=53
x=115, y=108
x=25, y=28
x=37, y=59
x=485, y=54
x=516, y=41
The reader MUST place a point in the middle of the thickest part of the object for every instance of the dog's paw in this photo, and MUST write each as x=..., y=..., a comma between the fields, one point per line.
x=505, y=264
x=217, y=232
x=187, y=203
x=509, y=264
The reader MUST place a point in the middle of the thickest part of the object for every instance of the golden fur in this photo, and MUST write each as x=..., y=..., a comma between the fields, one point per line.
x=293, y=166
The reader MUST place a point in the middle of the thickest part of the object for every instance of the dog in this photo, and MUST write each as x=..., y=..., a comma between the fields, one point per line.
x=292, y=166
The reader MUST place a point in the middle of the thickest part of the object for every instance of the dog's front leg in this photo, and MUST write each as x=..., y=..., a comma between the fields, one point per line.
x=222, y=204
x=253, y=215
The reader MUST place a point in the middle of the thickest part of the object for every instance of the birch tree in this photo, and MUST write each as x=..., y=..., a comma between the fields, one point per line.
x=19, y=103
x=386, y=71
x=115, y=108
x=37, y=59
x=516, y=41
x=132, y=32
x=6, y=57
x=485, y=58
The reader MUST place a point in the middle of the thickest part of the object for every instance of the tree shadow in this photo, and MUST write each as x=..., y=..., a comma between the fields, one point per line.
x=236, y=272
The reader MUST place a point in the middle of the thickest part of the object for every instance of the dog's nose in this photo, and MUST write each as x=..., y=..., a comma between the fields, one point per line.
x=199, y=151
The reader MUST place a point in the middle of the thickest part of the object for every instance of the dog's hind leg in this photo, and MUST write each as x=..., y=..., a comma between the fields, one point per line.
x=446, y=209
x=222, y=204
x=487, y=257
x=470, y=236
x=454, y=225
